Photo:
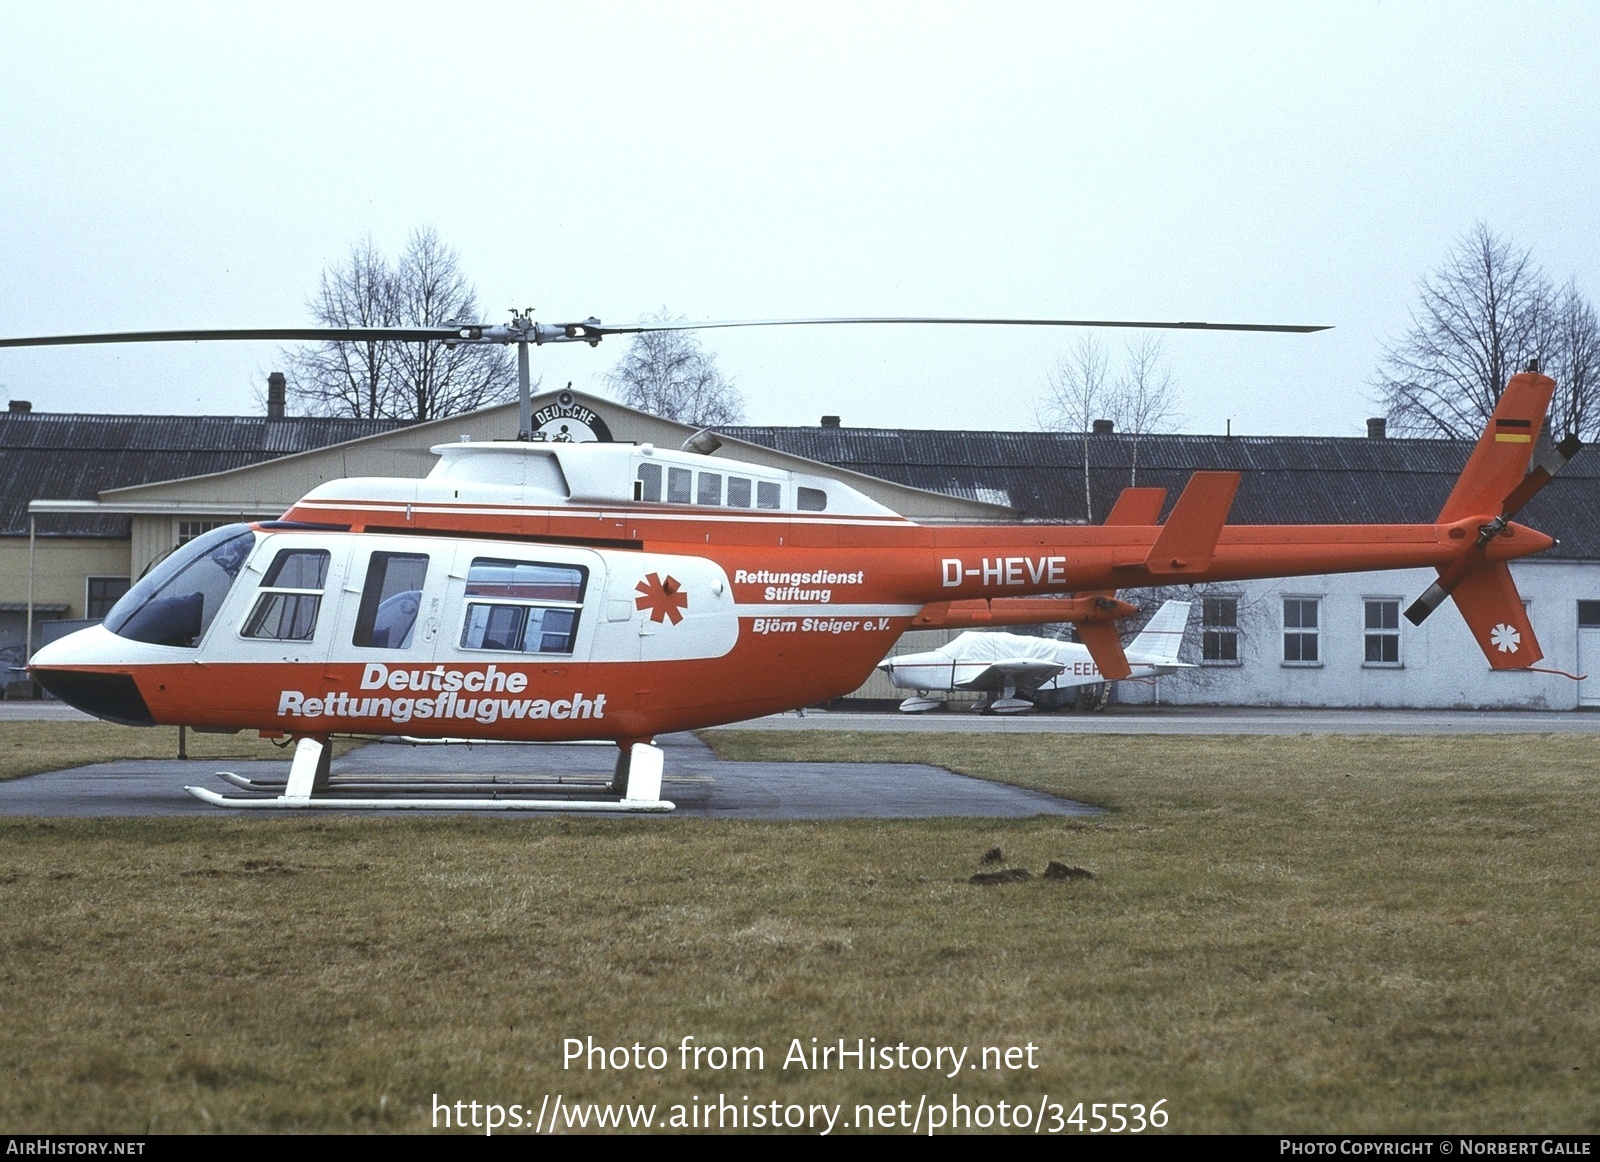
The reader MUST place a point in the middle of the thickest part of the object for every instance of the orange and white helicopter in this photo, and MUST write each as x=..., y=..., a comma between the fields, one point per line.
x=585, y=591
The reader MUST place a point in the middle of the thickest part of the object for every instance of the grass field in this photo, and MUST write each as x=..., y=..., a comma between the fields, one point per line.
x=1284, y=934
x=28, y=747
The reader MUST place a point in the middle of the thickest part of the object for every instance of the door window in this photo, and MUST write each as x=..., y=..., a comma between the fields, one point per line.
x=291, y=596
x=390, y=600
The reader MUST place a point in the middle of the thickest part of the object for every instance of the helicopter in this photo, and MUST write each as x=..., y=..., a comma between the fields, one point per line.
x=563, y=592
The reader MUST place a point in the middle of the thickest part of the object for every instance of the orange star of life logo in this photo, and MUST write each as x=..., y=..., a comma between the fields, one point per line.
x=665, y=600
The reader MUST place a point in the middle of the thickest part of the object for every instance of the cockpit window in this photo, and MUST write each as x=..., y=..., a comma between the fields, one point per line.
x=174, y=603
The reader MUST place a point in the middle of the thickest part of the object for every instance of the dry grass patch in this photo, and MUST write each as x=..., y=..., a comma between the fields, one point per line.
x=1307, y=934
x=31, y=747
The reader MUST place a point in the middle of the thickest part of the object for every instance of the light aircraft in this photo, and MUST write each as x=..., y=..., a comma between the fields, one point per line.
x=1015, y=670
x=565, y=591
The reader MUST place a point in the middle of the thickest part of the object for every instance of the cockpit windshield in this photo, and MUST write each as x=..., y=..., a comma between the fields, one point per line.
x=173, y=604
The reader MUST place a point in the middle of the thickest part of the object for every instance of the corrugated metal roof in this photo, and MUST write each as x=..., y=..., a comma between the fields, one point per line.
x=1287, y=480
x=61, y=456
x=1040, y=474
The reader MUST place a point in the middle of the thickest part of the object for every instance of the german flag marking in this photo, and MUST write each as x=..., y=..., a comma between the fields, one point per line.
x=1512, y=438
x=1524, y=425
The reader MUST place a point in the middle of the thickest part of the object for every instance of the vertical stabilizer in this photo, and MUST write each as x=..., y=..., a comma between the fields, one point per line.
x=1488, y=599
x=1161, y=636
x=1500, y=460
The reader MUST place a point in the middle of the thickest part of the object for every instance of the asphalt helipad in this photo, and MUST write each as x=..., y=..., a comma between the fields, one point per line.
x=701, y=784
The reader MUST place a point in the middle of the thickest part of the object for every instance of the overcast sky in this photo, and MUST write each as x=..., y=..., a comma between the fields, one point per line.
x=199, y=165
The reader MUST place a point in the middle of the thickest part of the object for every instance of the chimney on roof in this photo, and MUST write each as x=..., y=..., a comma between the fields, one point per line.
x=1104, y=427
x=830, y=421
x=277, y=392
x=1377, y=428
x=20, y=407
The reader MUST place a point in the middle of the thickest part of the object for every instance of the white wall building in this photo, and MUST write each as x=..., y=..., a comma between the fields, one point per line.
x=1342, y=640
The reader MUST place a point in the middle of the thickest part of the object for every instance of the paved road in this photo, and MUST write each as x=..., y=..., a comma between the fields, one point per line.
x=41, y=711
x=697, y=781
x=1200, y=720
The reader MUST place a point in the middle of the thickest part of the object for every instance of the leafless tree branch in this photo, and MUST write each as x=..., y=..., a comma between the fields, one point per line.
x=388, y=380
x=1481, y=317
x=669, y=374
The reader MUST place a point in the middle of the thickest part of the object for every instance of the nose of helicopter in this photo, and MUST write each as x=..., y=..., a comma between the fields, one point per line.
x=73, y=670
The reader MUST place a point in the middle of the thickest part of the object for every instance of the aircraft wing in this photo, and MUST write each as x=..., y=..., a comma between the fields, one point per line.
x=1022, y=673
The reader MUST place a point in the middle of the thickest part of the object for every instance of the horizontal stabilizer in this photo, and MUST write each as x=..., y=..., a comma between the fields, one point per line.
x=1138, y=506
x=1488, y=599
x=1189, y=538
x=1105, y=647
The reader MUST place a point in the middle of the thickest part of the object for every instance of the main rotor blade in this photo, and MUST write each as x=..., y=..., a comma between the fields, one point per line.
x=1294, y=328
x=277, y=334
x=591, y=330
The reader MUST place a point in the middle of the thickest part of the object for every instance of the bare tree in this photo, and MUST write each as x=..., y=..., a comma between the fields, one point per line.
x=348, y=379
x=669, y=374
x=1144, y=397
x=1483, y=315
x=1077, y=389
x=1575, y=364
x=391, y=380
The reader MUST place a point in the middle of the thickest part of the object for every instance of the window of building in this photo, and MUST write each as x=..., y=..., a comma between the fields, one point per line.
x=1219, y=631
x=291, y=596
x=390, y=600
x=101, y=593
x=1382, y=631
x=710, y=490
x=513, y=621
x=1589, y=614
x=188, y=530
x=769, y=494
x=1301, y=631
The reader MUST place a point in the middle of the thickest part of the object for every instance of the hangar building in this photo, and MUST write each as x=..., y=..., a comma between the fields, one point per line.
x=87, y=502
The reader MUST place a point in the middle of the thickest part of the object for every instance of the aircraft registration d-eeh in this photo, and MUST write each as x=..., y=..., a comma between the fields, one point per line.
x=563, y=592
x=1016, y=672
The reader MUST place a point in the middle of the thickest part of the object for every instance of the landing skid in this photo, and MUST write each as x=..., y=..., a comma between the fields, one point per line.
x=634, y=789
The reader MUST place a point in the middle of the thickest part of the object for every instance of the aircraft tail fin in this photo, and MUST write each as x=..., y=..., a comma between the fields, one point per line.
x=1488, y=599
x=1162, y=634
x=1500, y=460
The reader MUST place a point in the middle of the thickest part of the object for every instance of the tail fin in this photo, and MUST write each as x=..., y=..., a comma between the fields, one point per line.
x=1500, y=460
x=1163, y=633
x=1488, y=599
